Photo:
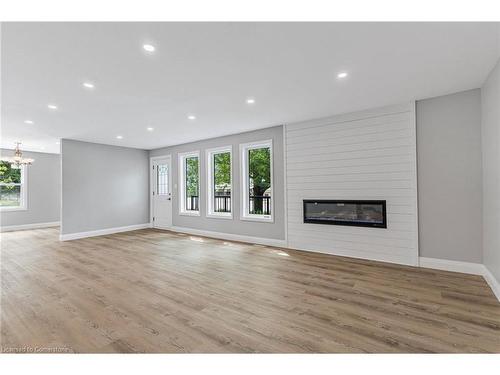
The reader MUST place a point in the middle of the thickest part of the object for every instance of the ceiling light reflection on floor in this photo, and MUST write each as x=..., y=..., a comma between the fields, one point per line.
x=196, y=239
x=282, y=253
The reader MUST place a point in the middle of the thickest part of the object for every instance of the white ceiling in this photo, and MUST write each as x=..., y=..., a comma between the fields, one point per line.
x=210, y=69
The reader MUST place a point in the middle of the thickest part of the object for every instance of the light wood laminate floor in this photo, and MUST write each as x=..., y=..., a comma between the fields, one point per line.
x=159, y=291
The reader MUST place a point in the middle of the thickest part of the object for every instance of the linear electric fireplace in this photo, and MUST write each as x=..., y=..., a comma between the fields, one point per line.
x=359, y=213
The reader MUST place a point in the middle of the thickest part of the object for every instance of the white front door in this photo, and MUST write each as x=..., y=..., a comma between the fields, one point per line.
x=162, y=193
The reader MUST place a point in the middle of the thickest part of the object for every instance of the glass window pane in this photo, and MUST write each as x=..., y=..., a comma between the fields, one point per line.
x=222, y=182
x=9, y=174
x=192, y=183
x=10, y=195
x=259, y=181
x=162, y=179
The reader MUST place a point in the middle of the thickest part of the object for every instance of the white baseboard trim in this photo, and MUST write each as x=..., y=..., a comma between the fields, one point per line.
x=463, y=267
x=492, y=282
x=230, y=237
x=11, y=228
x=102, y=232
x=452, y=265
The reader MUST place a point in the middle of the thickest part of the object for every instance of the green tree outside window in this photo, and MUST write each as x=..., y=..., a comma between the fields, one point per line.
x=192, y=178
x=222, y=173
x=259, y=173
x=9, y=192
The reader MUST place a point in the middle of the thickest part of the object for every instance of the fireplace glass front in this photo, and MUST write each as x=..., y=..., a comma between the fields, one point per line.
x=362, y=213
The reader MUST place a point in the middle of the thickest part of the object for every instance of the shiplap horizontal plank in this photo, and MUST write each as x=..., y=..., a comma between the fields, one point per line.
x=357, y=153
x=393, y=192
x=352, y=140
x=330, y=163
x=403, y=243
x=405, y=143
x=299, y=196
x=352, y=146
x=345, y=177
x=349, y=131
x=401, y=258
x=350, y=169
x=407, y=227
x=332, y=230
x=365, y=155
x=355, y=244
x=390, y=184
x=347, y=120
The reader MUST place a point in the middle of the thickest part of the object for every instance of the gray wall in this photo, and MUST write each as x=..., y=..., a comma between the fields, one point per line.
x=491, y=171
x=44, y=191
x=449, y=177
x=103, y=186
x=274, y=230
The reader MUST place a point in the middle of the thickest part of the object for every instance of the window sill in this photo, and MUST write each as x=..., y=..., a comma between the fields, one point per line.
x=189, y=213
x=9, y=209
x=220, y=216
x=260, y=218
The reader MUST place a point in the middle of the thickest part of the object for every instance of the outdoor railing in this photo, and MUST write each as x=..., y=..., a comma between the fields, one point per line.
x=260, y=205
x=222, y=203
x=192, y=203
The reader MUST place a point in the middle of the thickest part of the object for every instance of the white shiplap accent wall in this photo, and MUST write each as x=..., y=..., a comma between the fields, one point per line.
x=362, y=155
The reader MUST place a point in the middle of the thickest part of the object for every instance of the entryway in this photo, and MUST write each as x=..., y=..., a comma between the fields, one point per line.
x=161, y=181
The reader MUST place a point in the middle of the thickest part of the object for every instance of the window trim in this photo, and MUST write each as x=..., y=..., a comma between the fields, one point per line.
x=244, y=192
x=182, y=183
x=210, y=213
x=23, y=194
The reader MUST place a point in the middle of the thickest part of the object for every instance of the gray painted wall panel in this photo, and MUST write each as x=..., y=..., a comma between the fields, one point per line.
x=103, y=186
x=449, y=177
x=274, y=230
x=44, y=191
x=491, y=171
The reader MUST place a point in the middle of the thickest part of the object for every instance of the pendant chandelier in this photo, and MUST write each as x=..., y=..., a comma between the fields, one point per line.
x=17, y=161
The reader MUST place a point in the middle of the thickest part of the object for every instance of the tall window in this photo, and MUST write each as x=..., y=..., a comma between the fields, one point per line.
x=12, y=187
x=257, y=177
x=219, y=192
x=189, y=187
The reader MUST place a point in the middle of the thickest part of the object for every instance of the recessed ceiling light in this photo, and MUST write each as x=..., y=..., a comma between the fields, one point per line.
x=250, y=101
x=150, y=129
x=192, y=117
x=148, y=47
x=88, y=85
x=52, y=106
x=58, y=143
x=342, y=75
x=119, y=137
x=28, y=122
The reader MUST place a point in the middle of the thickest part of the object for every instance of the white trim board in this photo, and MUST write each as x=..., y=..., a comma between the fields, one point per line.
x=11, y=228
x=102, y=232
x=452, y=265
x=463, y=267
x=492, y=282
x=230, y=237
